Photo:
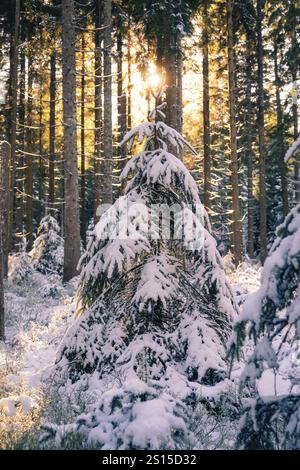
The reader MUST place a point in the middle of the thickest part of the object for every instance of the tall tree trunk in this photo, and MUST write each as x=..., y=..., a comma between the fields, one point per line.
x=2, y=311
x=52, y=132
x=20, y=155
x=170, y=70
x=206, y=114
x=129, y=88
x=98, y=141
x=294, y=67
x=40, y=162
x=5, y=151
x=179, y=98
x=122, y=98
x=280, y=135
x=106, y=196
x=261, y=132
x=71, y=212
x=82, y=139
x=29, y=157
x=236, y=214
x=249, y=151
x=13, y=116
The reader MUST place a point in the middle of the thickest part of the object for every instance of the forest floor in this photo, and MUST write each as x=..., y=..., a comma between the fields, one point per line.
x=38, y=313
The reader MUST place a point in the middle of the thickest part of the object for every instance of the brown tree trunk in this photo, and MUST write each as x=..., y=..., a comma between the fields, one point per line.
x=13, y=117
x=236, y=215
x=122, y=98
x=179, y=85
x=98, y=141
x=4, y=201
x=206, y=114
x=129, y=118
x=249, y=152
x=82, y=135
x=280, y=135
x=2, y=311
x=29, y=157
x=261, y=132
x=106, y=196
x=20, y=155
x=294, y=67
x=71, y=212
x=41, y=162
x=52, y=132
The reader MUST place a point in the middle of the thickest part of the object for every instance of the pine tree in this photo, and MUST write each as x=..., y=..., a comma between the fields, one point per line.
x=47, y=254
x=155, y=308
x=71, y=194
x=271, y=318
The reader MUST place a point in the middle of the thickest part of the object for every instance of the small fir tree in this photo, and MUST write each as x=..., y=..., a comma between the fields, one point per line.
x=48, y=251
x=155, y=309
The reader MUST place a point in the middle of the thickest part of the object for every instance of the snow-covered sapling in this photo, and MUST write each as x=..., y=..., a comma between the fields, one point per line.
x=47, y=253
x=155, y=308
x=271, y=317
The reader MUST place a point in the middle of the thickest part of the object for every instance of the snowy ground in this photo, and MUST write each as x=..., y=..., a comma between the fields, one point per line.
x=38, y=313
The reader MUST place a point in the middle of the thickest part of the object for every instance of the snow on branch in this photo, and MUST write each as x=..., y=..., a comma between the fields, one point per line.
x=166, y=133
x=292, y=150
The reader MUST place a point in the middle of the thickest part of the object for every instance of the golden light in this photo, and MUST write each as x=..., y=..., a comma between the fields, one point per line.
x=154, y=80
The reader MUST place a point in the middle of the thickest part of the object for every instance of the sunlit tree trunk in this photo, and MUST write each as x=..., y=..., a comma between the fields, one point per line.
x=29, y=157
x=280, y=135
x=4, y=201
x=122, y=98
x=236, y=214
x=98, y=141
x=294, y=66
x=206, y=113
x=82, y=139
x=40, y=161
x=52, y=131
x=249, y=150
x=71, y=212
x=106, y=194
x=129, y=88
x=20, y=156
x=261, y=132
x=13, y=115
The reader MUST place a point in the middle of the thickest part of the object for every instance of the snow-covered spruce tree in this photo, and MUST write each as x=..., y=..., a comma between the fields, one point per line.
x=271, y=317
x=155, y=309
x=47, y=253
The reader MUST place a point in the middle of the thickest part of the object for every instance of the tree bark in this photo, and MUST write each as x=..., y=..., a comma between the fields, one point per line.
x=20, y=155
x=129, y=88
x=280, y=135
x=51, y=162
x=261, y=132
x=249, y=151
x=106, y=196
x=2, y=311
x=294, y=67
x=29, y=157
x=71, y=212
x=82, y=140
x=236, y=215
x=41, y=163
x=13, y=117
x=206, y=114
x=5, y=152
x=98, y=138
x=122, y=98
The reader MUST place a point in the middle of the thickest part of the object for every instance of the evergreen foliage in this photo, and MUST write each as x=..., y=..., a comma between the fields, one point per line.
x=155, y=310
x=271, y=318
x=47, y=253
